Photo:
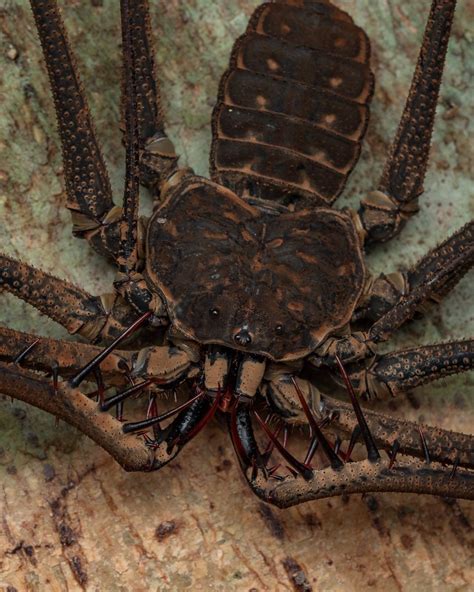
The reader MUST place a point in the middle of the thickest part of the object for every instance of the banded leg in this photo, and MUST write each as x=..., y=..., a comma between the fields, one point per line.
x=384, y=212
x=158, y=158
x=397, y=372
x=431, y=278
x=89, y=194
x=94, y=318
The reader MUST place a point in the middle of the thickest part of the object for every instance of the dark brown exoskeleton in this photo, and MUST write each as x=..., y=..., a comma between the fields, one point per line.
x=249, y=288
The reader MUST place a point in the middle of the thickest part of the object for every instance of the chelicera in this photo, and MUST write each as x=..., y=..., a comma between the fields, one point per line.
x=249, y=292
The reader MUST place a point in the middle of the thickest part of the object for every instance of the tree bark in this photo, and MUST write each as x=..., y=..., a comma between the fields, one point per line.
x=71, y=518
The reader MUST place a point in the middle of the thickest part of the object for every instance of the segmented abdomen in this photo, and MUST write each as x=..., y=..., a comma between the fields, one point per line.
x=293, y=105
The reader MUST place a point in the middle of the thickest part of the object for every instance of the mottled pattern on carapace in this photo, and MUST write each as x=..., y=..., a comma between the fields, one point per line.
x=223, y=265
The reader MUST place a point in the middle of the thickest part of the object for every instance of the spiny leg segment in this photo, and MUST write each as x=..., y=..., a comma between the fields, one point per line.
x=42, y=353
x=384, y=212
x=78, y=409
x=398, y=372
x=82, y=412
x=89, y=194
x=436, y=274
x=94, y=318
x=397, y=473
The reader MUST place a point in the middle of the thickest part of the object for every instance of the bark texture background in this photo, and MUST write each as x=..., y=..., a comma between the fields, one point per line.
x=71, y=519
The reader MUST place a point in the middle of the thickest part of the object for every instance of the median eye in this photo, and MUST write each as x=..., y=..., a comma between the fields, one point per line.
x=279, y=329
x=214, y=312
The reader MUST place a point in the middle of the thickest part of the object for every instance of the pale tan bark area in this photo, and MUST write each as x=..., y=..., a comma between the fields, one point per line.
x=71, y=519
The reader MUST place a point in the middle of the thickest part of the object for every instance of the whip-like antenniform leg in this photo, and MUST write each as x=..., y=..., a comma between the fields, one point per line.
x=89, y=194
x=158, y=159
x=130, y=282
x=384, y=212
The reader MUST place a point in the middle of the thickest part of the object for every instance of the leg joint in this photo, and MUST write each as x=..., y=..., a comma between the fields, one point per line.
x=382, y=217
